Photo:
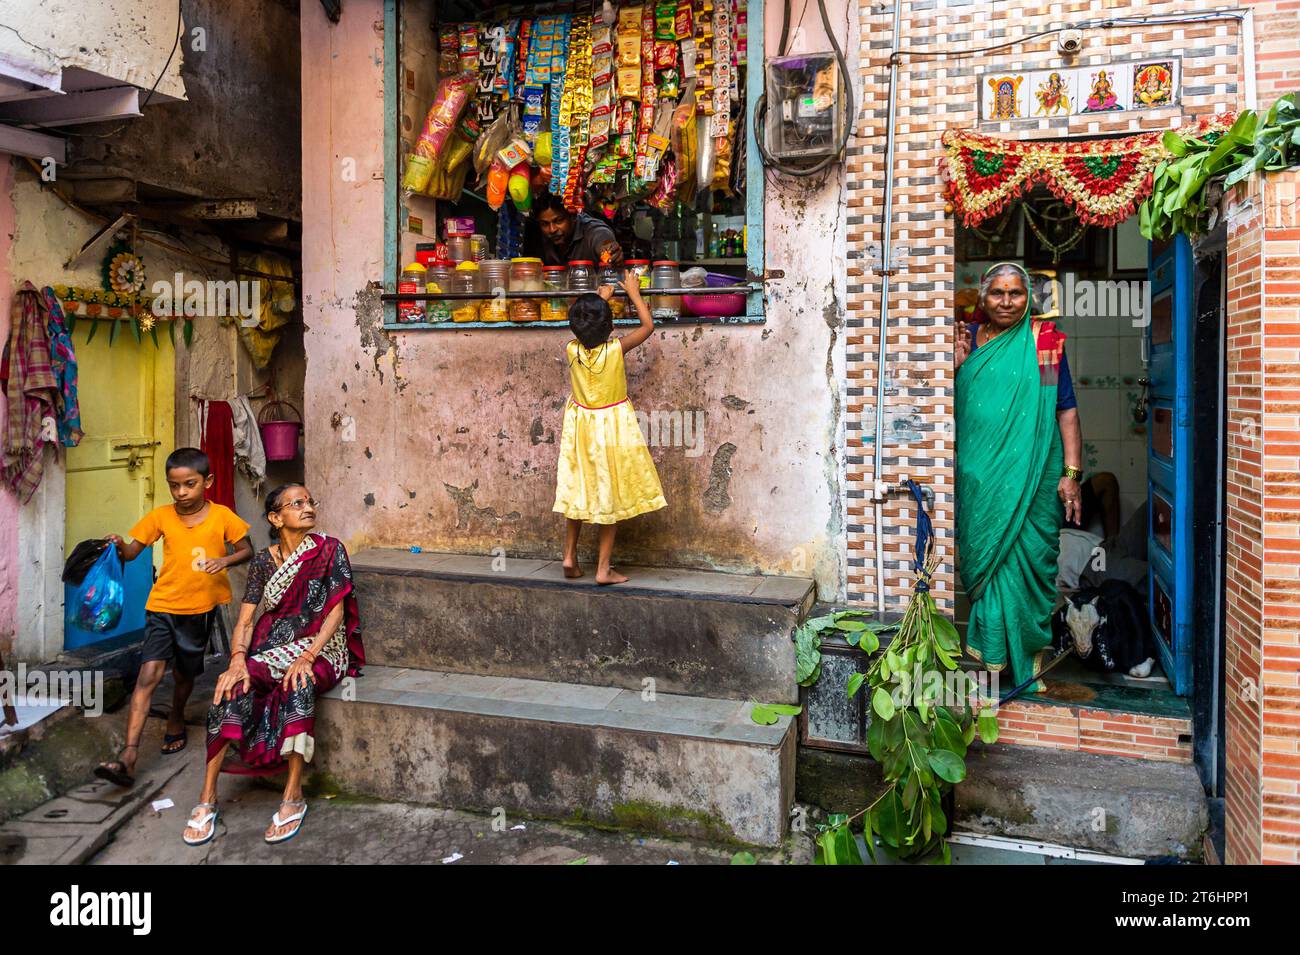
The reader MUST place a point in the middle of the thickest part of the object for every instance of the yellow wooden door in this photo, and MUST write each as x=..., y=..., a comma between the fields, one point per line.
x=115, y=475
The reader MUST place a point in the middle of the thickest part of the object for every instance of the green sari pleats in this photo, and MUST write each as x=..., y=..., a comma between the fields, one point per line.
x=1008, y=515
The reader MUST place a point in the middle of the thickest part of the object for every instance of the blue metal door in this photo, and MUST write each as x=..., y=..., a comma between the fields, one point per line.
x=1169, y=336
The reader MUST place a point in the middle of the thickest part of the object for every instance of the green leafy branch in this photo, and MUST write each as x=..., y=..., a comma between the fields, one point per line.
x=1181, y=199
x=919, y=742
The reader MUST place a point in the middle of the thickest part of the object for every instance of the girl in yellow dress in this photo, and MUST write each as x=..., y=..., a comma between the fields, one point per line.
x=605, y=473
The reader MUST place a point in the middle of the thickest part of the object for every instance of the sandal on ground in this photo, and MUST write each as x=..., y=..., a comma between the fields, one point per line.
x=115, y=770
x=278, y=821
x=168, y=749
x=206, y=823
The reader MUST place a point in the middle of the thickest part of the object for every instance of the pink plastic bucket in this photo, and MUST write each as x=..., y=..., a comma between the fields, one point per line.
x=279, y=438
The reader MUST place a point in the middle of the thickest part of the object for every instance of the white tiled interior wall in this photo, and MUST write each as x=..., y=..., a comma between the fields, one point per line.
x=1105, y=355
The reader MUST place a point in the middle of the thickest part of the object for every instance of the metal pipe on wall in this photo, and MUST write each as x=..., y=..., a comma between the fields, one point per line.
x=887, y=223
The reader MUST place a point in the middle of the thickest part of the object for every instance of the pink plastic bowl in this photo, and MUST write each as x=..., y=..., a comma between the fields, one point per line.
x=715, y=306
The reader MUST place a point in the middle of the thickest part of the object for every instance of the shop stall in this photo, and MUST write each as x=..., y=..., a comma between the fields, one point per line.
x=542, y=149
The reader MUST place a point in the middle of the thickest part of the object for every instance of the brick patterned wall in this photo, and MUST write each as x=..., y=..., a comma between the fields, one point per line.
x=935, y=93
x=1096, y=731
x=1243, y=527
x=1279, y=650
x=1263, y=340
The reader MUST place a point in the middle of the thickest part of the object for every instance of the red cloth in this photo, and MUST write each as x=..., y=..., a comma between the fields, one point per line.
x=218, y=443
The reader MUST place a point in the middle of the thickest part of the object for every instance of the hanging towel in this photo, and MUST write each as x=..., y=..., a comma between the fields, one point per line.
x=217, y=441
x=63, y=362
x=250, y=456
x=32, y=392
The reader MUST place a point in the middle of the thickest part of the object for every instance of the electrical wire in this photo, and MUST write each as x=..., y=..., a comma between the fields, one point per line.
x=785, y=167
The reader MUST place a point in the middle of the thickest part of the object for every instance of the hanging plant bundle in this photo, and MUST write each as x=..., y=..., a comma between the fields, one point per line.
x=925, y=713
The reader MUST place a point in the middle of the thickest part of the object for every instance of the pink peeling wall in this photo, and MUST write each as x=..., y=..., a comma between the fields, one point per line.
x=448, y=440
x=8, y=503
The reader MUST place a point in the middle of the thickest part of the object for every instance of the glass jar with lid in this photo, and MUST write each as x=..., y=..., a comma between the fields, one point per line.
x=411, y=281
x=494, y=275
x=465, y=278
x=642, y=269
x=666, y=274
x=555, y=278
x=438, y=279
x=525, y=276
x=582, y=276
x=612, y=275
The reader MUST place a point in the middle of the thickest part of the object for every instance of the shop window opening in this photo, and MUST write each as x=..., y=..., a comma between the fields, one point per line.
x=536, y=151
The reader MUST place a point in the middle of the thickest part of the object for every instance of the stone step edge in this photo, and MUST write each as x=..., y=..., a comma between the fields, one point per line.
x=366, y=690
x=801, y=604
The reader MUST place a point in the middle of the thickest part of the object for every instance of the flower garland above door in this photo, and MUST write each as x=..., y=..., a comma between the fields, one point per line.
x=1102, y=180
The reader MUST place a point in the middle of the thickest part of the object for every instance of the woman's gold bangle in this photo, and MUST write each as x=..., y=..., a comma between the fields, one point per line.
x=1072, y=473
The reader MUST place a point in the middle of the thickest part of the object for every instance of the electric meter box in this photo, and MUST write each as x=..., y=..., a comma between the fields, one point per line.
x=805, y=108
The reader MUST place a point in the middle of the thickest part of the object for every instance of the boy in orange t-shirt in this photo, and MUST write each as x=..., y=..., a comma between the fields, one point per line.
x=188, y=592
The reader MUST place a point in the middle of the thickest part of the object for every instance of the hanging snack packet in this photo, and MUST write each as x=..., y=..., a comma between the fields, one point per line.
x=665, y=21
x=448, y=50
x=683, y=22
x=468, y=36
x=452, y=97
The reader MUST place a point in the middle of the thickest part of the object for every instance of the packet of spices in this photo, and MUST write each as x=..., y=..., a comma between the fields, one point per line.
x=665, y=21
x=669, y=85
x=629, y=18
x=629, y=82
x=665, y=54
x=683, y=22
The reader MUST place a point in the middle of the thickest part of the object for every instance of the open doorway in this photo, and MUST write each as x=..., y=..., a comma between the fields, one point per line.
x=1143, y=327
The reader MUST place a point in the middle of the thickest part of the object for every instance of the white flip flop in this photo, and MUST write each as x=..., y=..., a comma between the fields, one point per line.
x=277, y=822
x=207, y=819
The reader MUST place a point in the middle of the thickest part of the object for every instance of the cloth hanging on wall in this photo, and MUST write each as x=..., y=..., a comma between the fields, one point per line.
x=217, y=441
x=1102, y=180
x=250, y=456
x=32, y=392
x=275, y=306
x=63, y=362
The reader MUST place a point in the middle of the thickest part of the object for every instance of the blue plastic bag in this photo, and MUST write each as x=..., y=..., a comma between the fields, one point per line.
x=96, y=605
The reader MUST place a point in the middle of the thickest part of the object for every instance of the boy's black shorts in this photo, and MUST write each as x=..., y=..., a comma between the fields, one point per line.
x=181, y=639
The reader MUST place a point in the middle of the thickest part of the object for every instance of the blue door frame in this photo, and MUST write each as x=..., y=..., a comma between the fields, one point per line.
x=1169, y=338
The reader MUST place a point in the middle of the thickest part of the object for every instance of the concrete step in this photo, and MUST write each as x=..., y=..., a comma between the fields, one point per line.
x=690, y=632
x=1114, y=805
x=671, y=765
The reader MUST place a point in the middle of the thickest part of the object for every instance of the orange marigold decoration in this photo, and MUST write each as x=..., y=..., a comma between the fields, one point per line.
x=1102, y=180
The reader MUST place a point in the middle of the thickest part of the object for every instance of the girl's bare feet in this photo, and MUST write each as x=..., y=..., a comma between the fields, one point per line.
x=610, y=576
x=571, y=569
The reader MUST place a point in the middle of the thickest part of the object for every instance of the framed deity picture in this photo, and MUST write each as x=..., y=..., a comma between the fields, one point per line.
x=1044, y=296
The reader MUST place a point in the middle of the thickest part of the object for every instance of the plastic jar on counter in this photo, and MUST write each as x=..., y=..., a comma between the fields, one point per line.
x=525, y=276
x=459, y=248
x=611, y=275
x=667, y=274
x=438, y=279
x=465, y=278
x=478, y=247
x=642, y=269
x=555, y=278
x=582, y=276
x=495, y=283
x=412, y=280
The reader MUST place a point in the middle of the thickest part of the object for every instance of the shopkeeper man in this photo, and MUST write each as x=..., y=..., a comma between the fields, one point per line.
x=562, y=237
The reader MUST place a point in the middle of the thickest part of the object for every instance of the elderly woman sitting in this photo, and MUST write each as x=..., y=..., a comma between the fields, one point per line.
x=1019, y=451
x=306, y=640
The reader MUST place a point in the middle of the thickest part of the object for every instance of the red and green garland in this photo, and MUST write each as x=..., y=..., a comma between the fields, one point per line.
x=1102, y=180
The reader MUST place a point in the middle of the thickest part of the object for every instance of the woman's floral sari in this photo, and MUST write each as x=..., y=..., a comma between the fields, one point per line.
x=268, y=722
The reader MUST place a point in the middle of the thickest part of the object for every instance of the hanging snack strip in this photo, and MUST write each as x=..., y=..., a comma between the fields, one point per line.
x=559, y=130
x=575, y=110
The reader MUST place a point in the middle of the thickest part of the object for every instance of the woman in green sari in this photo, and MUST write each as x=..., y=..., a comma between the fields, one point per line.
x=1019, y=450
